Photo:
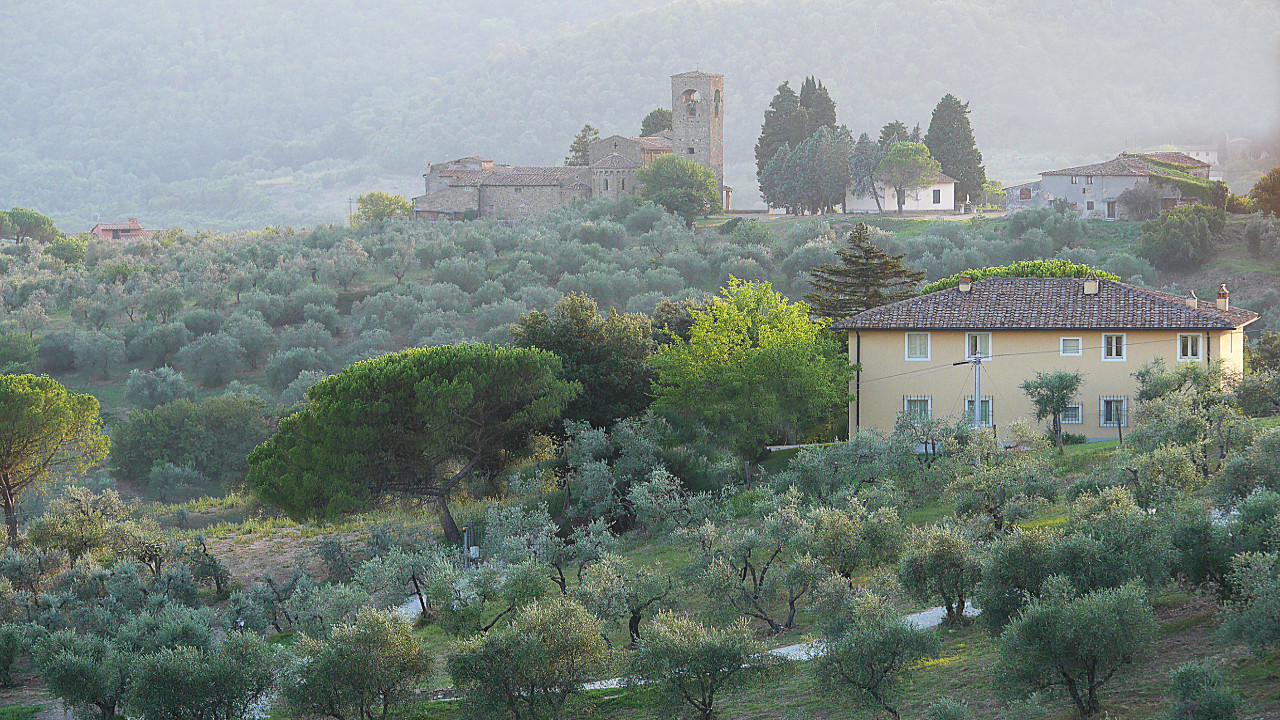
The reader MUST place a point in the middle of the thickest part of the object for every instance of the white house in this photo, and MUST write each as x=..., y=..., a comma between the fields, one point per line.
x=938, y=197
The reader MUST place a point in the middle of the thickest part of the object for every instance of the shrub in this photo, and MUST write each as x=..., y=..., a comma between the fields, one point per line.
x=1182, y=238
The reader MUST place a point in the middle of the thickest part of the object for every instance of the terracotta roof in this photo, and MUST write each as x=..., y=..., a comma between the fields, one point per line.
x=614, y=161
x=943, y=178
x=1133, y=165
x=131, y=225
x=655, y=142
x=696, y=73
x=1175, y=157
x=517, y=176
x=449, y=200
x=1047, y=303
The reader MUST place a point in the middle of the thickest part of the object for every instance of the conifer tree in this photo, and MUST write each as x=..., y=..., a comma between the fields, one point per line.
x=777, y=128
x=656, y=121
x=950, y=141
x=580, y=148
x=863, y=161
x=820, y=109
x=865, y=277
x=894, y=132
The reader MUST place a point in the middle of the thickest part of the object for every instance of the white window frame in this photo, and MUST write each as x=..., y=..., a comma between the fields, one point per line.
x=968, y=410
x=1062, y=347
x=970, y=356
x=1124, y=347
x=928, y=347
x=928, y=399
x=1075, y=179
x=1199, y=342
x=1102, y=412
x=1079, y=416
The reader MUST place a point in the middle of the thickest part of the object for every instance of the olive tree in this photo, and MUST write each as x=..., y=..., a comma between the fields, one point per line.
x=213, y=358
x=941, y=563
x=531, y=667
x=869, y=651
x=1077, y=642
x=692, y=664
x=361, y=671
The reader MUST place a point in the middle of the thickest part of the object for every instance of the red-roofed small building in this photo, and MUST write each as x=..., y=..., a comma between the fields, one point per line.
x=130, y=230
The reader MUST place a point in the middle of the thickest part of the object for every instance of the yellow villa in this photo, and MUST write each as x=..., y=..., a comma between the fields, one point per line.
x=908, y=351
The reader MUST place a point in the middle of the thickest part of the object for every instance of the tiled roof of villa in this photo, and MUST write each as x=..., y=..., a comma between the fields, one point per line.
x=1047, y=303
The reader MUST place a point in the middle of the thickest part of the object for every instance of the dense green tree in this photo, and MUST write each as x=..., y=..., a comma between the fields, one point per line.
x=17, y=352
x=44, y=431
x=866, y=277
x=820, y=109
x=420, y=421
x=682, y=186
x=24, y=225
x=941, y=563
x=755, y=370
x=864, y=160
x=146, y=390
x=359, y=671
x=869, y=651
x=213, y=359
x=656, y=121
x=608, y=355
x=1076, y=642
x=1266, y=193
x=779, y=127
x=157, y=344
x=1182, y=238
x=950, y=142
x=377, y=206
x=529, y=669
x=1051, y=394
x=87, y=672
x=907, y=167
x=1199, y=693
x=70, y=249
x=228, y=680
x=101, y=351
x=691, y=664
x=214, y=437
x=1253, y=616
x=580, y=149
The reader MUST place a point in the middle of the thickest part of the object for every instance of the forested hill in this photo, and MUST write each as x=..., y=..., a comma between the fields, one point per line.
x=256, y=113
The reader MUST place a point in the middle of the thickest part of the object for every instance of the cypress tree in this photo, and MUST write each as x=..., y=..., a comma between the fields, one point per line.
x=865, y=277
x=819, y=106
x=864, y=158
x=580, y=148
x=894, y=132
x=950, y=141
x=777, y=128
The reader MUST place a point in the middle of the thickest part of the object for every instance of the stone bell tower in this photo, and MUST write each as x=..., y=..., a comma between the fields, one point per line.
x=697, y=119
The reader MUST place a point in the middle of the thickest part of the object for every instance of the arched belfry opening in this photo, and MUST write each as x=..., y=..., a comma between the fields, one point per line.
x=690, y=99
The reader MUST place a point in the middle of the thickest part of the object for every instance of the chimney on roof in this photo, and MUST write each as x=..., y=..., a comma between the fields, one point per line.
x=1091, y=284
x=1224, y=298
x=1193, y=301
x=966, y=283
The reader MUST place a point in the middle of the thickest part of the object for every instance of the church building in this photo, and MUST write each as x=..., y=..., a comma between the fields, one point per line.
x=477, y=187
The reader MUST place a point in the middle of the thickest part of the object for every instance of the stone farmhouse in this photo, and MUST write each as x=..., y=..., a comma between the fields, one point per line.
x=131, y=230
x=479, y=187
x=1105, y=330
x=1094, y=190
x=939, y=197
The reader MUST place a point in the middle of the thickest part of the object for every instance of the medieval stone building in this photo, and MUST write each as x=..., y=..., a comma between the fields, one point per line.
x=479, y=187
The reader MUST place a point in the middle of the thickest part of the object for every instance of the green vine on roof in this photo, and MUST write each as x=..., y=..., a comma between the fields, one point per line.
x=1026, y=268
x=1209, y=192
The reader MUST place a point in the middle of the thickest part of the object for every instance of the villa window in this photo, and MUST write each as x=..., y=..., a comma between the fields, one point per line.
x=1189, y=347
x=1072, y=415
x=984, y=411
x=918, y=408
x=937, y=197
x=917, y=346
x=1114, y=412
x=1071, y=346
x=977, y=345
x=1113, y=347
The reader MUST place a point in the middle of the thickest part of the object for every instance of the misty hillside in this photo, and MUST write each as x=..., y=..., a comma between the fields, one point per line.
x=278, y=113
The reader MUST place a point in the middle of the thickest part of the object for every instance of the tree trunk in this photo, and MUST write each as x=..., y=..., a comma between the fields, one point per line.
x=10, y=513
x=451, y=533
x=633, y=626
x=1057, y=429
